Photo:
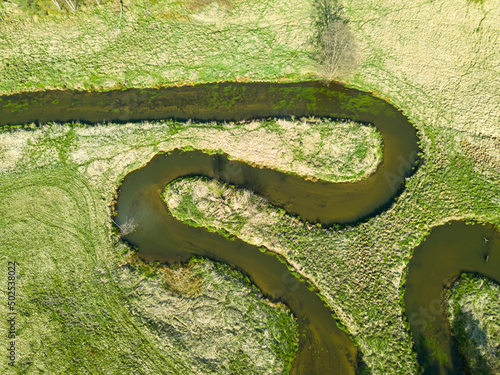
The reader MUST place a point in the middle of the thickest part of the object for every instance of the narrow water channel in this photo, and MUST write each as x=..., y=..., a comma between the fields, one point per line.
x=334, y=203
x=325, y=349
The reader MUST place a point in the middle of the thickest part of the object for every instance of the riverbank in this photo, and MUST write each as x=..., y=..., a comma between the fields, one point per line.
x=79, y=309
x=358, y=269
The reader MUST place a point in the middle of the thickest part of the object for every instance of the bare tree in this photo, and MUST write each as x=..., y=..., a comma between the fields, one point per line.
x=333, y=41
x=337, y=49
x=129, y=226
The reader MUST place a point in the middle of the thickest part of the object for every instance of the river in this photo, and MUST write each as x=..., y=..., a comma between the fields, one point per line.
x=325, y=349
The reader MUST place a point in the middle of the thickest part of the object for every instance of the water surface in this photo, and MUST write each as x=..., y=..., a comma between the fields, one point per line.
x=324, y=349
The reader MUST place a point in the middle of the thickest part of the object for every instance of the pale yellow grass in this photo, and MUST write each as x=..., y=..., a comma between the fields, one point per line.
x=439, y=61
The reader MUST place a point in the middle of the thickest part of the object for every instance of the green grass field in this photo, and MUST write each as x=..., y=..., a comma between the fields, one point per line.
x=158, y=43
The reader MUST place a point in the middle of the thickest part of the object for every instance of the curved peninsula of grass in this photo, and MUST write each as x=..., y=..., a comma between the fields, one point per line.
x=235, y=101
x=162, y=237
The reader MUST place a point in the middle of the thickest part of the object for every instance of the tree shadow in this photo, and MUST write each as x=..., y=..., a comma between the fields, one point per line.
x=470, y=338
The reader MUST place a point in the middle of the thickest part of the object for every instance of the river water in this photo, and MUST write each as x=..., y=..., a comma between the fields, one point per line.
x=324, y=349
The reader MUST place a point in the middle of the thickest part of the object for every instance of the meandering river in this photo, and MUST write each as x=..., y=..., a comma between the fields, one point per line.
x=325, y=349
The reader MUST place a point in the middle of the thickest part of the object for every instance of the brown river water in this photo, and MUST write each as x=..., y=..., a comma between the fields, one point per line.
x=325, y=349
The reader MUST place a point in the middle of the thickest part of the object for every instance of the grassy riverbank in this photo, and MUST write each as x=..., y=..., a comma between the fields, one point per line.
x=79, y=312
x=359, y=269
x=57, y=182
x=438, y=62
